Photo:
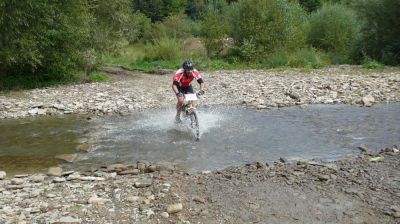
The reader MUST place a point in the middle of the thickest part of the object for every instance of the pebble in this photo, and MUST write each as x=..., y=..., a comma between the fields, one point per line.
x=55, y=171
x=144, y=182
x=164, y=214
x=3, y=175
x=174, y=208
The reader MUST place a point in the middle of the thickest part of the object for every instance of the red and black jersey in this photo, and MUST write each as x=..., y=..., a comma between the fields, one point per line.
x=183, y=80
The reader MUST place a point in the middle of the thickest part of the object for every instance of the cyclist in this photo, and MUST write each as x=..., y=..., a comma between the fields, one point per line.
x=181, y=84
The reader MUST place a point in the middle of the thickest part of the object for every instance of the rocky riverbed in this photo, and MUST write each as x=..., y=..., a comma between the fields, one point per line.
x=364, y=189
x=129, y=91
x=358, y=189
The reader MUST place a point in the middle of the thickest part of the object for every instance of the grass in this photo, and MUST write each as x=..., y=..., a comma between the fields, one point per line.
x=21, y=82
x=372, y=64
x=98, y=77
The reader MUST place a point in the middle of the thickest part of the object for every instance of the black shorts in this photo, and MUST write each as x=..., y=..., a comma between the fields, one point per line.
x=185, y=90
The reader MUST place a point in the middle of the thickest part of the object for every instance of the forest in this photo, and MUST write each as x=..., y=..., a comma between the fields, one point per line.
x=47, y=42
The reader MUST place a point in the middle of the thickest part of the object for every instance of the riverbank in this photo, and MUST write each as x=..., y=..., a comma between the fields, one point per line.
x=129, y=91
x=362, y=189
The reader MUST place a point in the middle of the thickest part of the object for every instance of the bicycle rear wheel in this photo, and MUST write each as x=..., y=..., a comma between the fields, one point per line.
x=194, y=123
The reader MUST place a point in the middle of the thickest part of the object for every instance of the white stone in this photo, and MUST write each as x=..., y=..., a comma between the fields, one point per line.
x=3, y=175
x=174, y=208
x=97, y=200
x=54, y=171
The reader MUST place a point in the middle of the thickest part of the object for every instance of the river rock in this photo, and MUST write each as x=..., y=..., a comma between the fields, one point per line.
x=17, y=181
x=132, y=172
x=174, y=208
x=84, y=148
x=116, y=167
x=97, y=200
x=367, y=101
x=89, y=178
x=68, y=220
x=163, y=165
x=164, y=214
x=143, y=182
x=55, y=171
x=21, y=175
x=59, y=179
x=3, y=175
x=151, y=169
x=68, y=157
x=142, y=164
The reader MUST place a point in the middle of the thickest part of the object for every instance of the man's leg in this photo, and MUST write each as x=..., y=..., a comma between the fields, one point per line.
x=179, y=105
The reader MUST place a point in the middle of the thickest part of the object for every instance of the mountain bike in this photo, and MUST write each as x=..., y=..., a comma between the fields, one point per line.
x=189, y=111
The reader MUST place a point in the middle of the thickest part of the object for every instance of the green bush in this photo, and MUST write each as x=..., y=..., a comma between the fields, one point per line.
x=214, y=29
x=175, y=26
x=164, y=49
x=380, y=33
x=45, y=39
x=265, y=26
x=372, y=64
x=306, y=58
x=158, y=10
x=98, y=77
x=333, y=28
x=277, y=59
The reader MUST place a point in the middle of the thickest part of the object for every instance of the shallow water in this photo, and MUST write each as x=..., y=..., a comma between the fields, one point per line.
x=229, y=136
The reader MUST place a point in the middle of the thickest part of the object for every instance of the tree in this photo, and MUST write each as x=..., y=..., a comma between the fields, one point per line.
x=381, y=31
x=334, y=27
x=268, y=25
x=43, y=38
x=157, y=10
x=214, y=29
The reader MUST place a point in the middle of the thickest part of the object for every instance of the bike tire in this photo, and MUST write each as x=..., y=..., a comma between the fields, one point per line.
x=194, y=123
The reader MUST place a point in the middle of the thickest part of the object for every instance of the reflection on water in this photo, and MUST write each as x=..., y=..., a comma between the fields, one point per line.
x=29, y=145
x=229, y=136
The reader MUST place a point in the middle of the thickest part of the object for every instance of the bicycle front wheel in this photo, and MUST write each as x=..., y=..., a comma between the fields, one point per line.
x=194, y=123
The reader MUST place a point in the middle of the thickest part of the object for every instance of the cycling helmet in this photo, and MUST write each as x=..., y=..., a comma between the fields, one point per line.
x=188, y=66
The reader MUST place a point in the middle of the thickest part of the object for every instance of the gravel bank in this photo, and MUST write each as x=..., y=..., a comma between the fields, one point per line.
x=129, y=92
x=354, y=190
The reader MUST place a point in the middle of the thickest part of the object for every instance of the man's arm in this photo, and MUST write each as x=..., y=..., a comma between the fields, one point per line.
x=202, y=86
x=175, y=88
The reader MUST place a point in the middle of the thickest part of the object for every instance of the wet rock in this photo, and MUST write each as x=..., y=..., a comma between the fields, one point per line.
x=174, y=208
x=365, y=150
x=67, y=173
x=367, y=101
x=21, y=175
x=283, y=160
x=151, y=169
x=116, y=167
x=54, y=171
x=131, y=172
x=84, y=148
x=163, y=165
x=143, y=182
x=142, y=164
x=3, y=175
x=68, y=157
